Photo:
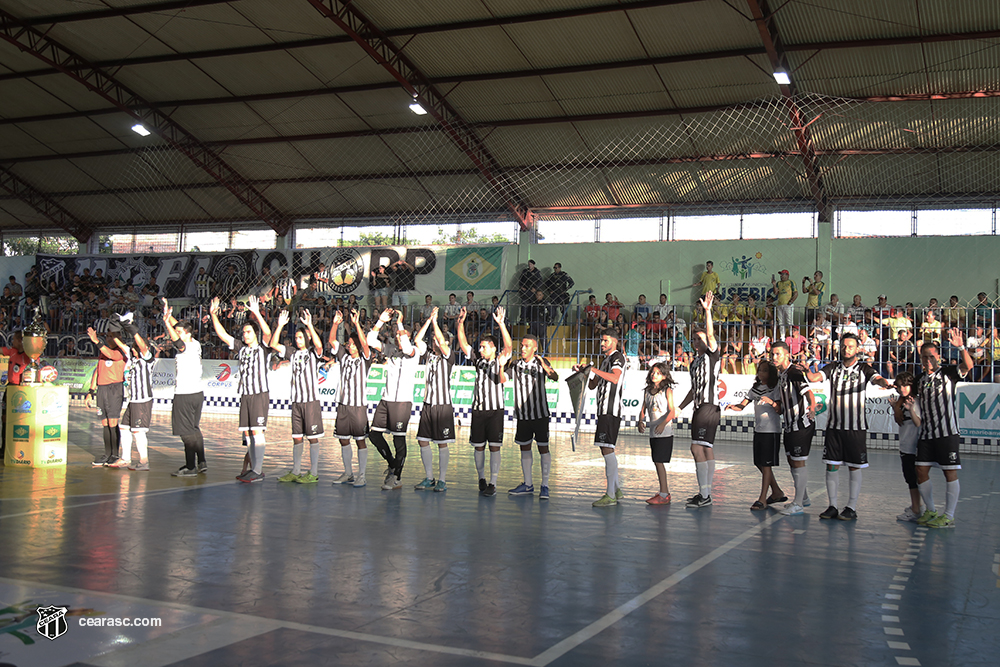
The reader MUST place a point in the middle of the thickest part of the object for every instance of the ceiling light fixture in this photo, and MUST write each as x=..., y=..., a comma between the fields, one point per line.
x=140, y=130
x=417, y=109
x=782, y=78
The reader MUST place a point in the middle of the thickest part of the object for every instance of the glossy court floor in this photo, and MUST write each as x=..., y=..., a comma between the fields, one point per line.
x=286, y=574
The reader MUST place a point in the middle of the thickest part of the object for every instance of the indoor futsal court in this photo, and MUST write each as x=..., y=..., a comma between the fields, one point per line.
x=267, y=574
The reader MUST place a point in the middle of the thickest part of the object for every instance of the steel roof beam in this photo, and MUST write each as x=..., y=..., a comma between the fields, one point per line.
x=43, y=203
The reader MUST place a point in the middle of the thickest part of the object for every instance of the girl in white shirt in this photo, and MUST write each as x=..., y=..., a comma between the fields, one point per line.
x=658, y=413
x=906, y=411
x=766, y=432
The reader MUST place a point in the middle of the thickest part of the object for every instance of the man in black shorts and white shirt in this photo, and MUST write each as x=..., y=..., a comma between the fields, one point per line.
x=607, y=380
x=307, y=414
x=139, y=413
x=185, y=411
x=354, y=359
x=705, y=368
x=487, y=396
x=531, y=410
x=255, y=360
x=437, y=416
x=846, y=439
x=392, y=414
x=798, y=418
x=938, y=444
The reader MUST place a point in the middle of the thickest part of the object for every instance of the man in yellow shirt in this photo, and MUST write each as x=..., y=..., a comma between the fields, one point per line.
x=784, y=296
x=814, y=295
x=709, y=282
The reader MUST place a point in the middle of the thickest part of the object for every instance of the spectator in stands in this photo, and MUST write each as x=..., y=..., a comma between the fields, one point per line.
x=378, y=282
x=600, y=325
x=15, y=288
x=151, y=289
x=880, y=313
x=529, y=282
x=284, y=287
x=814, y=295
x=69, y=349
x=98, y=280
x=820, y=333
x=984, y=312
x=784, y=294
x=8, y=302
x=867, y=347
x=708, y=281
x=633, y=337
x=131, y=297
x=612, y=306
x=471, y=305
x=849, y=326
x=754, y=313
x=930, y=330
x=310, y=295
x=856, y=310
x=897, y=321
x=591, y=312
x=641, y=309
x=798, y=345
x=901, y=354
x=682, y=358
x=656, y=329
x=977, y=345
x=538, y=318
x=427, y=310
x=954, y=315
x=662, y=308
x=834, y=312
x=33, y=286
x=557, y=286
x=869, y=324
x=450, y=313
x=402, y=281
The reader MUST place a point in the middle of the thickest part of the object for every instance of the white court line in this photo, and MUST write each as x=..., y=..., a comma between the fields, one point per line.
x=158, y=492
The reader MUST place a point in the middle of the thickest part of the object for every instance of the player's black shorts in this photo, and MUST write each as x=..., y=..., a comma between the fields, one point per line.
x=437, y=424
x=704, y=424
x=909, y=465
x=606, y=434
x=392, y=417
x=532, y=429
x=487, y=427
x=842, y=447
x=352, y=422
x=942, y=452
x=138, y=416
x=662, y=449
x=766, y=449
x=185, y=416
x=253, y=411
x=109, y=400
x=307, y=420
x=798, y=443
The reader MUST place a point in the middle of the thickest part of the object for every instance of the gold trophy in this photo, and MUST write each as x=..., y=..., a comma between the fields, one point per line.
x=33, y=338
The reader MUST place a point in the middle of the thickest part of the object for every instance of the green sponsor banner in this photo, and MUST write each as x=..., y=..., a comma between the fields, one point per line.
x=473, y=269
x=22, y=432
x=74, y=373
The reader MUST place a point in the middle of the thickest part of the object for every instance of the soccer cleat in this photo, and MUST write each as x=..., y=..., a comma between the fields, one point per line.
x=101, y=461
x=908, y=515
x=927, y=517
x=141, y=466
x=185, y=472
x=289, y=477
x=604, y=501
x=111, y=461
x=830, y=513
x=202, y=467
x=700, y=501
x=805, y=501
x=426, y=485
x=941, y=521
x=346, y=478
x=490, y=490
x=619, y=494
x=482, y=485
x=392, y=484
x=792, y=509
x=543, y=493
x=522, y=489
x=389, y=476
x=250, y=477
x=307, y=478
x=659, y=500
x=441, y=487
x=120, y=463
x=848, y=514
x=360, y=481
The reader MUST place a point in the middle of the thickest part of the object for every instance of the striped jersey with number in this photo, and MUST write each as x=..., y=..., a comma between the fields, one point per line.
x=323, y=281
x=285, y=288
x=437, y=379
x=253, y=367
x=937, y=393
x=530, y=399
x=487, y=394
x=794, y=400
x=353, y=377
x=848, y=391
x=705, y=378
x=305, y=374
x=609, y=397
x=139, y=378
x=399, y=369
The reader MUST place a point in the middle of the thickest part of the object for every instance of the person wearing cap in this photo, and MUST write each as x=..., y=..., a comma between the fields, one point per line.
x=557, y=286
x=784, y=297
x=814, y=295
x=17, y=361
x=529, y=282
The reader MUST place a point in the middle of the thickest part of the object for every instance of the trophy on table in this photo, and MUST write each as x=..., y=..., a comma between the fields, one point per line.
x=33, y=338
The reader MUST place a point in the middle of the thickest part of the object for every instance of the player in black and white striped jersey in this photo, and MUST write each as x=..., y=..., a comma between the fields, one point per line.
x=307, y=415
x=705, y=369
x=139, y=413
x=254, y=360
x=937, y=394
x=846, y=439
x=487, y=396
x=354, y=358
x=798, y=417
x=607, y=380
x=392, y=414
x=531, y=410
x=437, y=416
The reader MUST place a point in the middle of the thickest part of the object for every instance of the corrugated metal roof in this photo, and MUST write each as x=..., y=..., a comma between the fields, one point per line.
x=582, y=39
x=463, y=52
x=698, y=27
x=157, y=82
x=846, y=20
x=204, y=27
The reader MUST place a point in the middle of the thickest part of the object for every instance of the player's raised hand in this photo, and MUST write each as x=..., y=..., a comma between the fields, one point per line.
x=385, y=316
x=399, y=317
x=92, y=335
x=283, y=318
x=213, y=307
x=955, y=337
x=306, y=317
x=165, y=307
x=461, y=315
x=254, y=303
x=500, y=314
x=706, y=301
x=434, y=313
x=338, y=317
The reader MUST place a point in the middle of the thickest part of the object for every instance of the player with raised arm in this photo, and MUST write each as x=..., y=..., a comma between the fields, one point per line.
x=607, y=381
x=254, y=391
x=487, y=397
x=392, y=414
x=531, y=410
x=307, y=415
x=185, y=411
x=354, y=358
x=139, y=413
x=437, y=416
x=106, y=385
x=797, y=406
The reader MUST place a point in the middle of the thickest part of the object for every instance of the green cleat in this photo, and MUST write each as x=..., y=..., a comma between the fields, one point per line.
x=605, y=501
x=307, y=478
x=927, y=517
x=426, y=485
x=619, y=494
x=941, y=521
x=289, y=477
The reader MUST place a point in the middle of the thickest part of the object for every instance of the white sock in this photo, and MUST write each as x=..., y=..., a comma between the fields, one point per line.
x=711, y=476
x=142, y=445
x=855, y=477
x=526, y=464
x=297, y=448
x=259, y=443
x=443, y=454
x=347, y=456
x=427, y=458
x=832, y=486
x=926, y=490
x=800, y=479
x=546, y=467
x=701, y=469
x=314, y=457
x=126, y=444
x=494, y=466
x=611, y=471
x=480, y=457
x=362, y=460
x=951, y=499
